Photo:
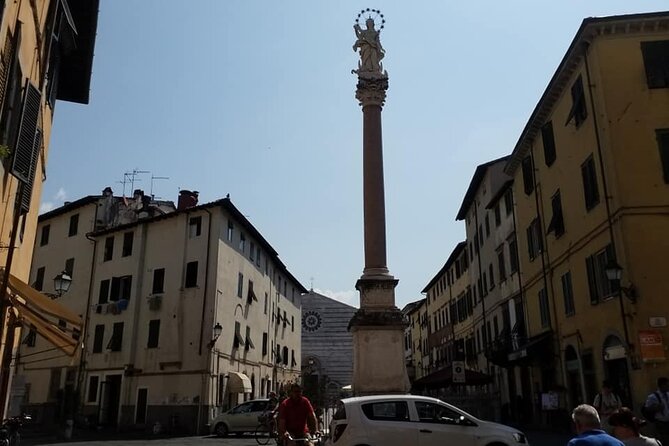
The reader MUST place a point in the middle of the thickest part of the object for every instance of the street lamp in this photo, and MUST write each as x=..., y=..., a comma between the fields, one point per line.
x=614, y=272
x=218, y=329
x=61, y=283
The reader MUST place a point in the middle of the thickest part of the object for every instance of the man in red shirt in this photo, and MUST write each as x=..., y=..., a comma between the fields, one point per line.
x=296, y=417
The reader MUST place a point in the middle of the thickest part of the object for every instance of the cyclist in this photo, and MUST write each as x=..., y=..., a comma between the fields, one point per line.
x=296, y=417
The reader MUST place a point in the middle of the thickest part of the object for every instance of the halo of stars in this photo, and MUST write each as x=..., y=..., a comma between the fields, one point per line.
x=374, y=14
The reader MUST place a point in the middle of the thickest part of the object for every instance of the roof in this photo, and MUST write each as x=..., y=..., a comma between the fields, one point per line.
x=474, y=184
x=226, y=204
x=499, y=194
x=74, y=80
x=590, y=28
x=69, y=207
x=454, y=255
x=413, y=306
x=314, y=295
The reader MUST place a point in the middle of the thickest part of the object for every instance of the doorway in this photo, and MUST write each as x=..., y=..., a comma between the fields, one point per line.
x=110, y=400
x=574, y=384
x=615, y=368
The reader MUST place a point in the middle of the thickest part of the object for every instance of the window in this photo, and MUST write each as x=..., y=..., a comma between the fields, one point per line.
x=258, y=255
x=191, y=275
x=590, y=190
x=39, y=279
x=534, y=239
x=109, y=249
x=242, y=243
x=438, y=414
x=125, y=287
x=485, y=285
x=44, y=238
x=266, y=303
x=98, y=338
x=528, y=175
x=491, y=276
x=264, y=344
x=578, y=111
x=251, y=296
x=549, y=143
x=292, y=323
x=252, y=252
x=508, y=201
x=249, y=343
x=69, y=267
x=557, y=222
x=387, y=411
x=481, y=235
x=599, y=285
x=93, y=382
x=194, y=227
x=154, y=333
x=231, y=229
x=487, y=226
x=237, y=340
x=567, y=294
x=285, y=355
x=662, y=136
x=103, y=297
x=543, y=308
x=293, y=363
x=513, y=254
x=116, y=341
x=158, y=281
x=240, y=285
x=127, y=244
x=500, y=263
x=498, y=216
x=74, y=225
x=656, y=62
x=31, y=337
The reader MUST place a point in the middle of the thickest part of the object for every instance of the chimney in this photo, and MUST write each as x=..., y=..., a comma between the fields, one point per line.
x=187, y=199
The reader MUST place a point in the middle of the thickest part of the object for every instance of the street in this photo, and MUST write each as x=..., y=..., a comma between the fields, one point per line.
x=535, y=439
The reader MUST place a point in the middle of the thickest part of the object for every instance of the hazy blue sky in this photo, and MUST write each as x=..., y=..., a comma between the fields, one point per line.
x=256, y=99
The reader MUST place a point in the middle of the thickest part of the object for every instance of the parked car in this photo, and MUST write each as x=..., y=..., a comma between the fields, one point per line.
x=400, y=420
x=240, y=419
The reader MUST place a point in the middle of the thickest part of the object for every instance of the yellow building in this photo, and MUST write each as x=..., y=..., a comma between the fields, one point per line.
x=591, y=188
x=46, y=55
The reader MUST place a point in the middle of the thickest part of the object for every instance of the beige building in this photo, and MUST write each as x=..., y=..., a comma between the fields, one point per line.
x=187, y=311
x=46, y=55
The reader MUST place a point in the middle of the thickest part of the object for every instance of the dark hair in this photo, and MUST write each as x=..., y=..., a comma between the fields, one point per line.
x=607, y=384
x=624, y=417
x=295, y=386
x=663, y=381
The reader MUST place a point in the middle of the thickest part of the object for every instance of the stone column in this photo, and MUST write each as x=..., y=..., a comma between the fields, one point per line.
x=378, y=326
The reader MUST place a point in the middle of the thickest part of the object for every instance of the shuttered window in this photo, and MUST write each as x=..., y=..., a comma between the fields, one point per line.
x=578, y=111
x=599, y=285
x=557, y=220
x=590, y=189
x=528, y=175
x=154, y=333
x=549, y=143
x=662, y=136
x=24, y=160
x=656, y=63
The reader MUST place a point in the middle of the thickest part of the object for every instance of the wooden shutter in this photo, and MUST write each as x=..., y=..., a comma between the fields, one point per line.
x=23, y=165
x=549, y=143
x=27, y=188
x=663, y=146
x=6, y=65
x=528, y=175
x=592, y=279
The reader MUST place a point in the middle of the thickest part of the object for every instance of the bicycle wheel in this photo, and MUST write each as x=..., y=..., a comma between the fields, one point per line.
x=261, y=434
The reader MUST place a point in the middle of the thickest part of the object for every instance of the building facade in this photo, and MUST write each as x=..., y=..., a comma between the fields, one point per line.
x=46, y=55
x=591, y=180
x=187, y=311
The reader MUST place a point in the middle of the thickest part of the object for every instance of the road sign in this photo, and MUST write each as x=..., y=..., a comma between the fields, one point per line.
x=459, y=372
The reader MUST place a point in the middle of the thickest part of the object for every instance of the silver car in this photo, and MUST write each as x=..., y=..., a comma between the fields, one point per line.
x=401, y=420
x=240, y=419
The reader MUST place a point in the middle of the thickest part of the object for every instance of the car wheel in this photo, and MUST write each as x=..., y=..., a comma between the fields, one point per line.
x=221, y=430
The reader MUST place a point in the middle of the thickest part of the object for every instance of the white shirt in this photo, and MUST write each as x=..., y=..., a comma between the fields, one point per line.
x=653, y=401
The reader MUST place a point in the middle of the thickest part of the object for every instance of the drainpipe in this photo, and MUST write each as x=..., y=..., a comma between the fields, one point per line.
x=84, y=330
x=623, y=317
x=207, y=372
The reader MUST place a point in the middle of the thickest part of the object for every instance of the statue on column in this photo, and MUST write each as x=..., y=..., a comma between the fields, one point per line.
x=371, y=51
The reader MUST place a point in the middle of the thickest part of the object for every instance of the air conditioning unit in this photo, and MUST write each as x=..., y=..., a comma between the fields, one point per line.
x=155, y=302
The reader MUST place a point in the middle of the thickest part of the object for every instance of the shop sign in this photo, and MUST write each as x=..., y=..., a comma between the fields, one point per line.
x=651, y=346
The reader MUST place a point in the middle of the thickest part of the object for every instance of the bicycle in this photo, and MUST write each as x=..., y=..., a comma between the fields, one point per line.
x=313, y=439
x=266, y=430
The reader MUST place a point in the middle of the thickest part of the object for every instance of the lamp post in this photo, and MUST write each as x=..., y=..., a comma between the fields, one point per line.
x=217, y=330
x=614, y=273
x=61, y=283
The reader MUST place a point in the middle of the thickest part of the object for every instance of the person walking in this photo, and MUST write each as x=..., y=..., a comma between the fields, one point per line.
x=627, y=428
x=606, y=402
x=656, y=410
x=588, y=429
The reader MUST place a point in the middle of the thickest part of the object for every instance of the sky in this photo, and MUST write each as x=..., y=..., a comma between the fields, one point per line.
x=256, y=99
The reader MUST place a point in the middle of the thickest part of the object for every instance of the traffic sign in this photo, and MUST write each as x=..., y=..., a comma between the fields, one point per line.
x=459, y=372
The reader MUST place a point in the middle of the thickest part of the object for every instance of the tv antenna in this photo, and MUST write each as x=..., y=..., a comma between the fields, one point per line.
x=131, y=177
x=153, y=178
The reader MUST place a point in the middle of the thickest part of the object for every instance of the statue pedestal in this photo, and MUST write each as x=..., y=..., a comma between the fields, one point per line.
x=378, y=340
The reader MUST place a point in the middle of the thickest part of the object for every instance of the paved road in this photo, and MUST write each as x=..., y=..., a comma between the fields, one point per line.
x=536, y=439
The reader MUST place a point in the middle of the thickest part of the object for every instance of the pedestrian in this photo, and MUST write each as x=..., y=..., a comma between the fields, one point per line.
x=656, y=410
x=588, y=429
x=627, y=428
x=606, y=402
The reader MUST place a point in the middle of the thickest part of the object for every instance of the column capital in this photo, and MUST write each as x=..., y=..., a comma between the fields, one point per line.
x=371, y=90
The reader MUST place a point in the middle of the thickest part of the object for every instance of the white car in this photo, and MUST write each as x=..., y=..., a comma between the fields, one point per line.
x=240, y=419
x=402, y=420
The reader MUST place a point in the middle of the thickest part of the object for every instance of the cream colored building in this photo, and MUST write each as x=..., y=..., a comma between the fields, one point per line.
x=152, y=286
